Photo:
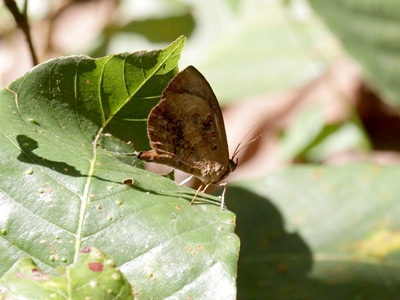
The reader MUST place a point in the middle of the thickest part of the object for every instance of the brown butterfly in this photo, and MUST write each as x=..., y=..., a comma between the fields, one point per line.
x=186, y=131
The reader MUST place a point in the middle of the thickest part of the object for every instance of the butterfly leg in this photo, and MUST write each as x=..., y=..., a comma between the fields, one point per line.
x=225, y=185
x=186, y=180
x=207, y=185
x=197, y=192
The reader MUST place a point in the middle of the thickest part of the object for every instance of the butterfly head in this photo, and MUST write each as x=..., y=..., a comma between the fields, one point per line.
x=232, y=165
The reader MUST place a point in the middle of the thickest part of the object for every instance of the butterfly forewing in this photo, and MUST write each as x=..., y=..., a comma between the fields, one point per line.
x=186, y=129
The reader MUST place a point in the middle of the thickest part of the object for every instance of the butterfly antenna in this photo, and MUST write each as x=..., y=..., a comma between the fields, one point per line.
x=238, y=148
x=245, y=145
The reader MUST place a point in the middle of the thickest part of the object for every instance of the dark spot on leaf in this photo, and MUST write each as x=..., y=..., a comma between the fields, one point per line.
x=85, y=250
x=96, y=267
x=128, y=181
x=39, y=275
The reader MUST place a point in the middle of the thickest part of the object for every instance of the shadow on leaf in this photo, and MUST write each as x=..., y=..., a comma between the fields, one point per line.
x=270, y=258
x=275, y=264
x=27, y=156
x=28, y=145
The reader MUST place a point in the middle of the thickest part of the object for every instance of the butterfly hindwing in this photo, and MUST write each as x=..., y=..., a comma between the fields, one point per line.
x=186, y=128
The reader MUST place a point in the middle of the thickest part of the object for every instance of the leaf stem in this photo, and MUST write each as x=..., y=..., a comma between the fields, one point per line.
x=85, y=197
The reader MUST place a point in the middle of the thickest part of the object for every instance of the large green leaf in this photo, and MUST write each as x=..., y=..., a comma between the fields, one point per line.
x=60, y=191
x=317, y=232
x=370, y=31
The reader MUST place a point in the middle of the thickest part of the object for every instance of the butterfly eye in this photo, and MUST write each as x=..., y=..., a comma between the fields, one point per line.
x=232, y=165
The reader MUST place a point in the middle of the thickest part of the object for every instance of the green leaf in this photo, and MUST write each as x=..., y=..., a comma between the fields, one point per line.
x=60, y=191
x=369, y=31
x=264, y=46
x=158, y=30
x=92, y=276
x=317, y=232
